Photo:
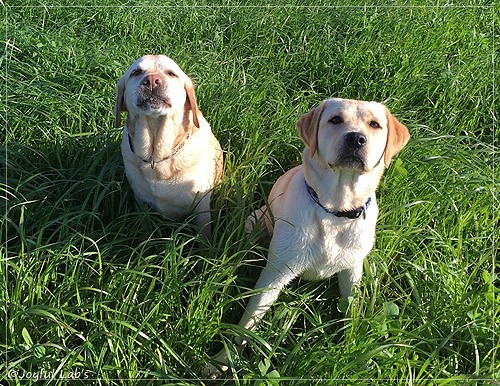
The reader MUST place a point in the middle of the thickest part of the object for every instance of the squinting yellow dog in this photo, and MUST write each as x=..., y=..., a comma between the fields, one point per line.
x=172, y=159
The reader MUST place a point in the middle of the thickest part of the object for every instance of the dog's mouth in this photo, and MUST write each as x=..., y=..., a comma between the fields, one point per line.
x=153, y=102
x=350, y=160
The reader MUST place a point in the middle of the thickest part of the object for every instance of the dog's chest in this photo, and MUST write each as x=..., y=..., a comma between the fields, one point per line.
x=173, y=197
x=161, y=192
x=336, y=245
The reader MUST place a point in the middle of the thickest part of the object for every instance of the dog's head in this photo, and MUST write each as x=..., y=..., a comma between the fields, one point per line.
x=154, y=85
x=351, y=134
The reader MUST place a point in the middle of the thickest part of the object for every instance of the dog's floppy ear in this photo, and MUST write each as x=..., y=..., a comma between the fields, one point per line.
x=120, y=102
x=397, y=137
x=308, y=126
x=191, y=100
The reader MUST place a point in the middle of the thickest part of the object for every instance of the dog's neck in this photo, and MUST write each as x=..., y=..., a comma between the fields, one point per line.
x=155, y=138
x=339, y=189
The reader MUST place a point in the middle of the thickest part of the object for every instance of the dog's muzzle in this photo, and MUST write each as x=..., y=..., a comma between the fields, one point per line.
x=352, y=153
x=152, y=93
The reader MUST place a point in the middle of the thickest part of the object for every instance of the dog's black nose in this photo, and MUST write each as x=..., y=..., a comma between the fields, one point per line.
x=355, y=140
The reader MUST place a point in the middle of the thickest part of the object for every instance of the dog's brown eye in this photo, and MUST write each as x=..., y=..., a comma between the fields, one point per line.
x=136, y=72
x=375, y=125
x=336, y=120
x=171, y=74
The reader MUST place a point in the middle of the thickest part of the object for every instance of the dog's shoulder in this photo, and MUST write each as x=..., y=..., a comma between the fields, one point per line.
x=285, y=189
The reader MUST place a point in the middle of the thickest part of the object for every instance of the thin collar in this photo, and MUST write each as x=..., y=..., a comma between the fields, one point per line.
x=352, y=214
x=151, y=160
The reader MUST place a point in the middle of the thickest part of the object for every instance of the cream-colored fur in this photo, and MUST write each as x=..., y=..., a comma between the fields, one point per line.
x=349, y=143
x=172, y=159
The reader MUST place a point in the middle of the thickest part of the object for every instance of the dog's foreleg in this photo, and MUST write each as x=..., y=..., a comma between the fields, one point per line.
x=272, y=280
x=349, y=281
x=203, y=218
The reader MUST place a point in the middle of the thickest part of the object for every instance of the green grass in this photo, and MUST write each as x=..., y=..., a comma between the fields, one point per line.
x=88, y=292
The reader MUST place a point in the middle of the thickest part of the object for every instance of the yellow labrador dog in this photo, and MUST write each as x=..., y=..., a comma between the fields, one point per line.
x=172, y=159
x=322, y=213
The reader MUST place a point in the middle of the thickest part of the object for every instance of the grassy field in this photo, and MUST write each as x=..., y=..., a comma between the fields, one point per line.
x=88, y=294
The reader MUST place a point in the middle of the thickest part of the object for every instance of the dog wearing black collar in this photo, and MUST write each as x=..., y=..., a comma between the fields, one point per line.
x=321, y=215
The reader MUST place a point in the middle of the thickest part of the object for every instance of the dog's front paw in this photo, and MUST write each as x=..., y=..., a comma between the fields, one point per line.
x=213, y=371
x=251, y=221
x=255, y=227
